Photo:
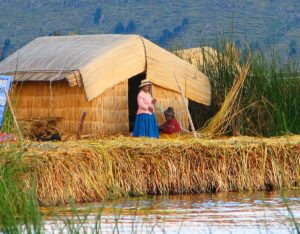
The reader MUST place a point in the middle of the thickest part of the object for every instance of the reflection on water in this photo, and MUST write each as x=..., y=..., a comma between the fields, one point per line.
x=258, y=212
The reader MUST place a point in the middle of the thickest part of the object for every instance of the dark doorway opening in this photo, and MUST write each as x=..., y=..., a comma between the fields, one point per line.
x=133, y=91
x=201, y=113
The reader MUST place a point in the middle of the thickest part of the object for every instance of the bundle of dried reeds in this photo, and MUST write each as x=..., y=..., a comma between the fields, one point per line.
x=35, y=128
x=220, y=122
x=84, y=171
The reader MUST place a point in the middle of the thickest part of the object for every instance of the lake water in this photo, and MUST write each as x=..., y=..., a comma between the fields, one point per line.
x=257, y=212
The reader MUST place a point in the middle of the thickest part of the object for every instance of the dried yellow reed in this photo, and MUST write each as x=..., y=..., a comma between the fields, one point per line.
x=106, y=114
x=34, y=128
x=219, y=123
x=84, y=171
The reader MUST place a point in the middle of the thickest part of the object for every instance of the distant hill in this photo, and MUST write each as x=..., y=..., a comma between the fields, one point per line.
x=187, y=23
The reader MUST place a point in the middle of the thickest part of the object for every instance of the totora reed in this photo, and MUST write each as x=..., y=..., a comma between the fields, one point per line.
x=90, y=170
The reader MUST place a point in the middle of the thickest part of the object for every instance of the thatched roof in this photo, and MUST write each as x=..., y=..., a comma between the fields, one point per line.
x=102, y=61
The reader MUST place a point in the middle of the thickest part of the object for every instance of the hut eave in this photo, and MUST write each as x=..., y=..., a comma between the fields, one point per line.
x=73, y=77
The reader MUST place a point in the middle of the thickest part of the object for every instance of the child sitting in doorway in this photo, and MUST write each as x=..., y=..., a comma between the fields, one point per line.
x=171, y=125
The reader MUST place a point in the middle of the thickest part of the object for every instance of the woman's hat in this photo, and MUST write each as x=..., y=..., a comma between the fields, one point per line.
x=145, y=82
x=169, y=111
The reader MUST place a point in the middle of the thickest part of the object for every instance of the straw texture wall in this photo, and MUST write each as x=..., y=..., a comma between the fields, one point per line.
x=166, y=98
x=106, y=114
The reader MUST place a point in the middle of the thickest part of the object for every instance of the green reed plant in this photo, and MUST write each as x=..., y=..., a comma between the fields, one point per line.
x=8, y=122
x=8, y=125
x=268, y=104
x=19, y=209
x=276, y=88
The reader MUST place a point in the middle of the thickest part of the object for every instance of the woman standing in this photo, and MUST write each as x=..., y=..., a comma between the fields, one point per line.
x=145, y=124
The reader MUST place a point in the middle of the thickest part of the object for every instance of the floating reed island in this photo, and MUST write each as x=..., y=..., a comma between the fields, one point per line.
x=90, y=170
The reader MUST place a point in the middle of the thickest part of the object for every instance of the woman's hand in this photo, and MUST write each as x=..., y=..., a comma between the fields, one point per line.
x=150, y=109
x=154, y=101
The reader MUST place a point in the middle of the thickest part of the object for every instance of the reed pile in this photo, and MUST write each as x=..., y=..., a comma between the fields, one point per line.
x=90, y=170
x=35, y=128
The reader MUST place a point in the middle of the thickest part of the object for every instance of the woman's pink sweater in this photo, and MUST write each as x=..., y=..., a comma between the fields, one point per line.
x=144, y=101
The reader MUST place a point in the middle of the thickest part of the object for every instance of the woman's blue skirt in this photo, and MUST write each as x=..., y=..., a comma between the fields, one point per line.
x=145, y=125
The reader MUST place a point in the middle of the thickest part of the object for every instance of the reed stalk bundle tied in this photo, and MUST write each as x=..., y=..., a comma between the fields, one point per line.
x=220, y=122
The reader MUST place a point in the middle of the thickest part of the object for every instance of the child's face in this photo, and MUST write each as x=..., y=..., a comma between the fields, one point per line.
x=168, y=117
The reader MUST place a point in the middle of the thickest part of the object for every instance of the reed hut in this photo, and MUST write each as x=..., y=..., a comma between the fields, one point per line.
x=198, y=55
x=203, y=56
x=62, y=76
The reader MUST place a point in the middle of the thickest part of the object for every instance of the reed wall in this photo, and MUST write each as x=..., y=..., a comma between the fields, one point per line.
x=106, y=114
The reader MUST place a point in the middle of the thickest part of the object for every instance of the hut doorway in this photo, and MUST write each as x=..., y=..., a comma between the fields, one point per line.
x=133, y=91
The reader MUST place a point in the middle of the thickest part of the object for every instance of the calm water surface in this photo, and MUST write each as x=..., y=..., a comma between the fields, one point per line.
x=258, y=212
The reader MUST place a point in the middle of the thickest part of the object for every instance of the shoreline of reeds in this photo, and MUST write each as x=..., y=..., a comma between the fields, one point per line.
x=90, y=170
